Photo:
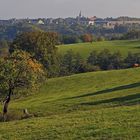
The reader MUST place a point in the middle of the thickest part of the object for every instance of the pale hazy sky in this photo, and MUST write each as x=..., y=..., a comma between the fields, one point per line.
x=68, y=8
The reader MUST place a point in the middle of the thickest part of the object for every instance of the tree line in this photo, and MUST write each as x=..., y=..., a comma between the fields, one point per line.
x=10, y=31
x=104, y=60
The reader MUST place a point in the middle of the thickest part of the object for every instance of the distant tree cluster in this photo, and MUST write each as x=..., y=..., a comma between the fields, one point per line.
x=133, y=34
x=72, y=32
x=104, y=60
x=72, y=39
x=41, y=46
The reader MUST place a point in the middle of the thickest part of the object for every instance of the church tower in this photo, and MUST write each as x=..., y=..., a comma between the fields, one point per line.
x=80, y=14
x=79, y=17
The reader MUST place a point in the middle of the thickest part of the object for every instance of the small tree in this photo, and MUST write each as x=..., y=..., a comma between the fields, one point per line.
x=87, y=38
x=18, y=73
x=68, y=63
x=104, y=59
x=93, y=58
x=116, y=60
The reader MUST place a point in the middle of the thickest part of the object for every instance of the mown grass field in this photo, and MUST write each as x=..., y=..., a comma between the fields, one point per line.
x=99, y=105
x=124, y=46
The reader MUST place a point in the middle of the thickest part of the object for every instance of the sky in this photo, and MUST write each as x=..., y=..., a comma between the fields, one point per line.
x=68, y=8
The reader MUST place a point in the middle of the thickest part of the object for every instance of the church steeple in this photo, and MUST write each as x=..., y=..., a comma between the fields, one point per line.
x=80, y=14
x=79, y=17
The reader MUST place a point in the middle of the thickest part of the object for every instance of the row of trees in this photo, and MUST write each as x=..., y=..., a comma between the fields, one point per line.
x=71, y=39
x=133, y=34
x=10, y=31
x=105, y=60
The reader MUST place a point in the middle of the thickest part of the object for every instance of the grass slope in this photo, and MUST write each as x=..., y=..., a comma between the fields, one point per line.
x=100, y=105
x=124, y=46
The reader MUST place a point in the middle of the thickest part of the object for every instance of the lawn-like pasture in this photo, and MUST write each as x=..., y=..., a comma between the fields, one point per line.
x=98, y=105
x=124, y=46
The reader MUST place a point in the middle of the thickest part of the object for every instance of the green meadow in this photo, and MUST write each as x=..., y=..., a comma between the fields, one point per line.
x=124, y=46
x=98, y=105
x=102, y=105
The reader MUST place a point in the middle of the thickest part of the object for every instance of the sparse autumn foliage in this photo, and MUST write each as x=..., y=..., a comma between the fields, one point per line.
x=21, y=70
x=87, y=38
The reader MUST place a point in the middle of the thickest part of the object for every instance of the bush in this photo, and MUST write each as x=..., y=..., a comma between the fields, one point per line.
x=101, y=38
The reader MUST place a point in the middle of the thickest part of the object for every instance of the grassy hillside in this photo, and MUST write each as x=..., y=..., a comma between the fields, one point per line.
x=124, y=46
x=99, y=105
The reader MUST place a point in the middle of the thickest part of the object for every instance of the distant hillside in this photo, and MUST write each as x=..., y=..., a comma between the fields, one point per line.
x=9, y=32
x=128, y=18
x=124, y=46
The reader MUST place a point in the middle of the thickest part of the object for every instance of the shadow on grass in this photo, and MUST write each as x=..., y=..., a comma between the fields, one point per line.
x=138, y=47
x=134, y=85
x=126, y=100
x=126, y=42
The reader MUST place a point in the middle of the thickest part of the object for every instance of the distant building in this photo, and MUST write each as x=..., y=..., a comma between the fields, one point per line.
x=85, y=21
x=36, y=21
x=91, y=21
x=40, y=22
x=49, y=20
x=101, y=22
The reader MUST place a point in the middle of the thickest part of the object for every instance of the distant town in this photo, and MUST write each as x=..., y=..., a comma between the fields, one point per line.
x=109, y=23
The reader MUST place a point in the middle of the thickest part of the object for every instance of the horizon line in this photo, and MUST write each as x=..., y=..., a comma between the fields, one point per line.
x=18, y=18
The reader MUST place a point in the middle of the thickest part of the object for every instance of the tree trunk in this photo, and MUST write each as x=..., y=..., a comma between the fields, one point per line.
x=6, y=103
